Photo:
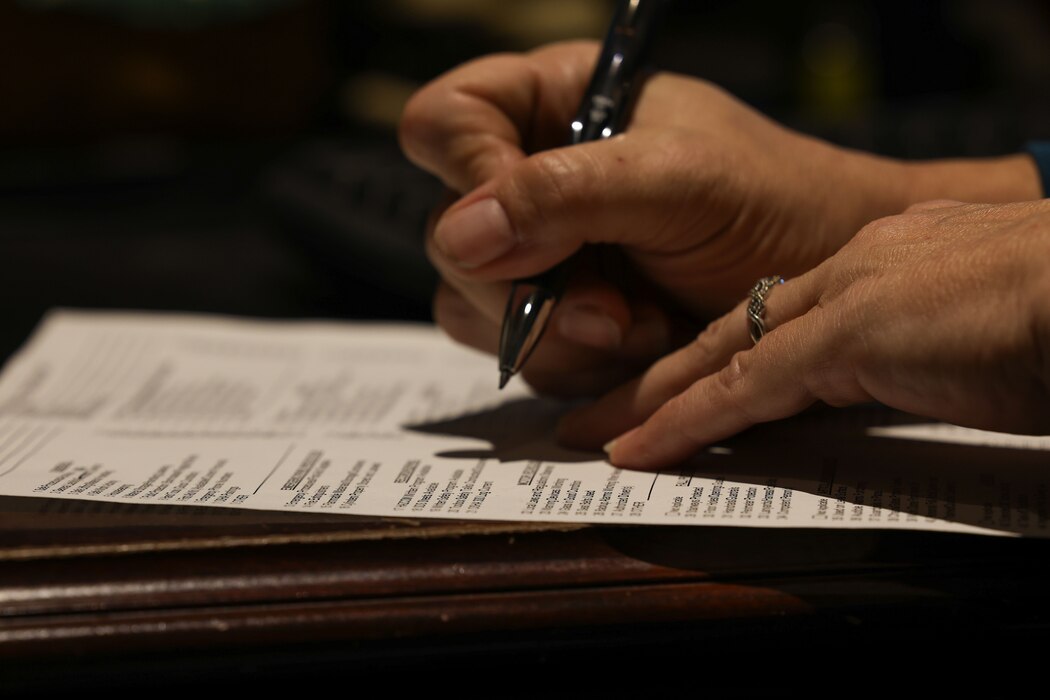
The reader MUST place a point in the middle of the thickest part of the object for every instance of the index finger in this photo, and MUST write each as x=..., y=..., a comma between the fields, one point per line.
x=468, y=124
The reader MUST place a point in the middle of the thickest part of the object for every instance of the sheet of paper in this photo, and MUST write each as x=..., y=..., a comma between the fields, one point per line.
x=395, y=420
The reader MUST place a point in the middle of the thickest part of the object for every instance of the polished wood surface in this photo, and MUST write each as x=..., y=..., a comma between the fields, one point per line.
x=86, y=597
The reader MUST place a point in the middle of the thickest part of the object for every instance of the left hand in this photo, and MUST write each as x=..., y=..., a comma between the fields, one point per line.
x=942, y=311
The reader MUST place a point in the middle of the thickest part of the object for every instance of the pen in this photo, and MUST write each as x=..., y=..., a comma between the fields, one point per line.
x=603, y=112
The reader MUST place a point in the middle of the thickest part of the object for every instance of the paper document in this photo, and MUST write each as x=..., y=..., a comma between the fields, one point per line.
x=395, y=420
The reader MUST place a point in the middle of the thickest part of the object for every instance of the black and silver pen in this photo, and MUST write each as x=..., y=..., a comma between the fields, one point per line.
x=603, y=112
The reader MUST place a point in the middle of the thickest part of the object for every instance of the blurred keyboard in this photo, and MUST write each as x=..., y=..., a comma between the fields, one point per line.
x=363, y=209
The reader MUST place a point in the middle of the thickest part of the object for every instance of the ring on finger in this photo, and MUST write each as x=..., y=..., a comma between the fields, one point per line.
x=756, y=307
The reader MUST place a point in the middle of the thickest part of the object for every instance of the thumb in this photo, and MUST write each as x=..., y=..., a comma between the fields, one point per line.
x=627, y=190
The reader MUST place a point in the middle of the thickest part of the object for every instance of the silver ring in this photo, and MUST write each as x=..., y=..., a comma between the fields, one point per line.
x=756, y=308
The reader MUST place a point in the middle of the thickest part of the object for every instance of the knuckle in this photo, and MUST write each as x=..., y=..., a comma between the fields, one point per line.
x=466, y=159
x=732, y=377
x=833, y=383
x=919, y=207
x=854, y=302
x=415, y=127
x=451, y=311
x=681, y=411
x=556, y=179
x=874, y=229
x=706, y=343
x=846, y=290
x=931, y=204
x=732, y=383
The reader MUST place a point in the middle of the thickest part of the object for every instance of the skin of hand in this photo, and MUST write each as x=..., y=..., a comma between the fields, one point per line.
x=698, y=198
x=943, y=311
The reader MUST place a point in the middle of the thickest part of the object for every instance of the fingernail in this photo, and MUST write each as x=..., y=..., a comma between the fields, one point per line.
x=589, y=326
x=608, y=447
x=476, y=234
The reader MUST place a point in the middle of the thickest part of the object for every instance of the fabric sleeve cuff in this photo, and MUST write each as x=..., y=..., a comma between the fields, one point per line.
x=1040, y=151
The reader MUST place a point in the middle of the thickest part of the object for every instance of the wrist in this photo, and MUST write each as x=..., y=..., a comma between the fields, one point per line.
x=868, y=187
x=1039, y=152
x=872, y=187
x=1012, y=178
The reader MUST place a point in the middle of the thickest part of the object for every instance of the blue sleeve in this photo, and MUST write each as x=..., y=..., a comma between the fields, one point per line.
x=1040, y=151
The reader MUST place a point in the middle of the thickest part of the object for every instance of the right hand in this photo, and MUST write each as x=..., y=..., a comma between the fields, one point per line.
x=702, y=195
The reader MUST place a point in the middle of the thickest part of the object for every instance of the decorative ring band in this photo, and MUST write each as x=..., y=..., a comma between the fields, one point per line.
x=756, y=308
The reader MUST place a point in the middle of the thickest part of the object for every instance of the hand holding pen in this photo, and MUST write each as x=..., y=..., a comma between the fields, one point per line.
x=688, y=194
x=603, y=112
x=701, y=196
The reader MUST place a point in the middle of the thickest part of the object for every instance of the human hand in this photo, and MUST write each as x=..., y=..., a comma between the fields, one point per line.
x=701, y=196
x=942, y=311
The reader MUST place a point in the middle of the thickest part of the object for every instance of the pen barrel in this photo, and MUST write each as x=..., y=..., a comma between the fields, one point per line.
x=603, y=112
x=528, y=311
x=608, y=101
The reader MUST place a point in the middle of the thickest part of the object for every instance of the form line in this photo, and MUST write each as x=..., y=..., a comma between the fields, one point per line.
x=275, y=467
x=653, y=485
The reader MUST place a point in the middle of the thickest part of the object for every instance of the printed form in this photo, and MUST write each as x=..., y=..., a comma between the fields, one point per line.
x=395, y=420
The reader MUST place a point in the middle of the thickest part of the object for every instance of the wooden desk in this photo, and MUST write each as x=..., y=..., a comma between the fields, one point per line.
x=236, y=599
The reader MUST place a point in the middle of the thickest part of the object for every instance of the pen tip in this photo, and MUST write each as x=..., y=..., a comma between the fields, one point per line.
x=504, y=377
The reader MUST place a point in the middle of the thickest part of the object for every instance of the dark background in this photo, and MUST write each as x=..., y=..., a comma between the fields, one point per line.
x=238, y=157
